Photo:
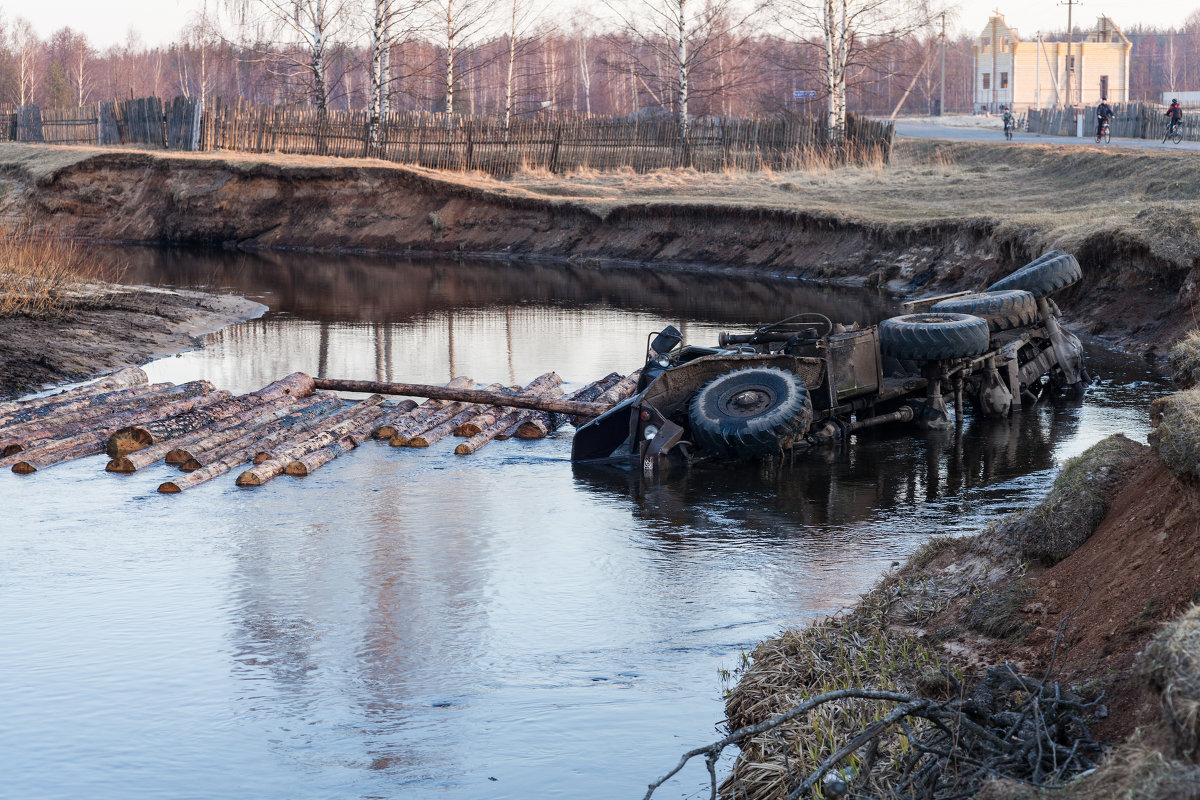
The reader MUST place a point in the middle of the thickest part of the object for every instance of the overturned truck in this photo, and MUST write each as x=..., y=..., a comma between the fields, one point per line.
x=804, y=381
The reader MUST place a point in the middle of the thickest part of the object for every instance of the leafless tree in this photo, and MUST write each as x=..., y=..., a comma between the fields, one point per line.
x=683, y=36
x=293, y=37
x=456, y=25
x=26, y=50
x=849, y=32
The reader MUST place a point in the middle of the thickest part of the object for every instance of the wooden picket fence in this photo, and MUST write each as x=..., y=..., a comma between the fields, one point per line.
x=553, y=142
x=1132, y=121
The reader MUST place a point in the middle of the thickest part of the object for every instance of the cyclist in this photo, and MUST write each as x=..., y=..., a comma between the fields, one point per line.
x=1174, y=112
x=1104, y=113
x=1008, y=121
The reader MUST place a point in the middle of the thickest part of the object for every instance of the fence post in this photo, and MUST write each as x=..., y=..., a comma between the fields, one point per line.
x=554, y=148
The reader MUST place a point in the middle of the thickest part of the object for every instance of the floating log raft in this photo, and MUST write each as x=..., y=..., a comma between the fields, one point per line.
x=135, y=437
x=394, y=420
x=294, y=425
x=360, y=418
x=260, y=436
x=540, y=424
x=91, y=443
x=178, y=450
x=122, y=379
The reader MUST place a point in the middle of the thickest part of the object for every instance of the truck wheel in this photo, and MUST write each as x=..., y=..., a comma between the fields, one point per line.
x=1002, y=310
x=934, y=337
x=750, y=413
x=1043, y=276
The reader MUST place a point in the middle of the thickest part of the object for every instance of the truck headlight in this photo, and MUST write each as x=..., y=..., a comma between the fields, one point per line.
x=649, y=432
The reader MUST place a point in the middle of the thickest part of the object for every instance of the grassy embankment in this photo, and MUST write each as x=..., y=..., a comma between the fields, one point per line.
x=1093, y=592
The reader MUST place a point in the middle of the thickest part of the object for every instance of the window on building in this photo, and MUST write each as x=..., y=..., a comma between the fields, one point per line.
x=986, y=41
x=1071, y=62
x=1003, y=80
x=987, y=81
x=1103, y=86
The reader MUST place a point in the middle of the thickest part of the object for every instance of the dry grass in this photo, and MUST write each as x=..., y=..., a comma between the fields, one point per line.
x=1185, y=360
x=1176, y=435
x=1076, y=504
x=1172, y=665
x=41, y=276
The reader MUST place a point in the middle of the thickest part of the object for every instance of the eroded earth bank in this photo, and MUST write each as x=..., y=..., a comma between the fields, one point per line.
x=940, y=217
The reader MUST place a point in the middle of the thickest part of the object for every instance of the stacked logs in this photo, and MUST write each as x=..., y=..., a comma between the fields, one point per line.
x=292, y=426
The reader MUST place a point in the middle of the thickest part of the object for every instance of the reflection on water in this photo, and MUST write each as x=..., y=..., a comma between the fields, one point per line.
x=412, y=623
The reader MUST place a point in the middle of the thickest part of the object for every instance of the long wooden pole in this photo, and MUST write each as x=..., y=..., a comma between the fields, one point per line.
x=465, y=396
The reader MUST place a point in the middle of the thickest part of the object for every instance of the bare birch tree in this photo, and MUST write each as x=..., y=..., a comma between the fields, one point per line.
x=522, y=15
x=25, y=50
x=456, y=25
x=849, y=32
x=683, y=36
x=293, y=37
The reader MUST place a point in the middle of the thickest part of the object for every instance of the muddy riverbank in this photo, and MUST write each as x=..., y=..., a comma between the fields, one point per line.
x=941, y=217
x=129, y=325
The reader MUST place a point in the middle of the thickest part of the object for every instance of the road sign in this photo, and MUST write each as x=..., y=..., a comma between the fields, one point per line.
x=806, y=94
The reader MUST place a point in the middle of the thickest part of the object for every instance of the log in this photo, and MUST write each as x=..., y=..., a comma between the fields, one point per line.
x=462, y=395
x=444, y=429
x=52, y=414
x=279, y=448
x=621, y=390
x=536, y=388
x=227, y=430
x=486, y=435
x=599, y=388
x=136, y=437
x=309, y=462
x=491, y=415
x=361, y=420
x=164, y=393
x=387, y=423
x=393, y=421
x=92, y=442
x=248, y=447
x=127, y=378
x=266, y=434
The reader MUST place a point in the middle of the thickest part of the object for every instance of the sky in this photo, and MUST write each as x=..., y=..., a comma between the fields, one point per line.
x=159, y=21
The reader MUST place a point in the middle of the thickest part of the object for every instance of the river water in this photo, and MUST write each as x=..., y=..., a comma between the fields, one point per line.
x=412, y=623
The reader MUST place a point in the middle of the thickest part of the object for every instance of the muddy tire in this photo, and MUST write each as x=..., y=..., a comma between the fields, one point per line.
x=1049, y=273
x=934, y=337
x=750, y=413
x=1003, y=310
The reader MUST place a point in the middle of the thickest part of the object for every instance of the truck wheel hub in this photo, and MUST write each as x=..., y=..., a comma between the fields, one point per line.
x=750, y=400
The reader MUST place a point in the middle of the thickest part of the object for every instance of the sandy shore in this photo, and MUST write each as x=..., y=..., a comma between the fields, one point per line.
x=132, y=325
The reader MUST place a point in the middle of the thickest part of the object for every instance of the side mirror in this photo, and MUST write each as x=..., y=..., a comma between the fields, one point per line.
x=666, y=340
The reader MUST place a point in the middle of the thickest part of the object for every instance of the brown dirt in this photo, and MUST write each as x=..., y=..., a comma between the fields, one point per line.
x=1143, y=568
x=941, y=217
x=130, y=326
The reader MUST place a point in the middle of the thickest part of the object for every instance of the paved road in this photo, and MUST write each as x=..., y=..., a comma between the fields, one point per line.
x=921, y=130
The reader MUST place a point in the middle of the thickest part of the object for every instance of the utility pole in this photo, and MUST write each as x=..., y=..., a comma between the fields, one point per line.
x=942, y=99
x=1070, y=4
x=995, y=47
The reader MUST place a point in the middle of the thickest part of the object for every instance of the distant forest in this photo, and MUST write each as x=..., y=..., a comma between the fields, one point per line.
x=498, y=56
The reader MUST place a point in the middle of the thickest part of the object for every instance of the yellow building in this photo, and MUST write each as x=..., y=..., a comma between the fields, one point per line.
x=1037, y=74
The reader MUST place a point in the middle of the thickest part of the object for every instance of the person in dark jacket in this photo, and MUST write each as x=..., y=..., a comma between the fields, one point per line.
x=1104, y=113
x=1174, y=112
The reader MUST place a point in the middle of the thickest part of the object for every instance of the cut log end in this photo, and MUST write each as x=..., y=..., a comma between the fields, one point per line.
x=120, y=465
x=191, y=465
x=261, y=457
x=463, y=450
x=398, y=440
x=12, y=450
x=384, y=432
x=128, y=440
x=297, y=468
x=24, y=468
x=168, y=488
x=418, y=441
x=248, y=478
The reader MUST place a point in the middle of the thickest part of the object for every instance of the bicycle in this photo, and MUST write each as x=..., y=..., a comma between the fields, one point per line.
x=1174, y=133
x=1008, y=130
x=1104, y=133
